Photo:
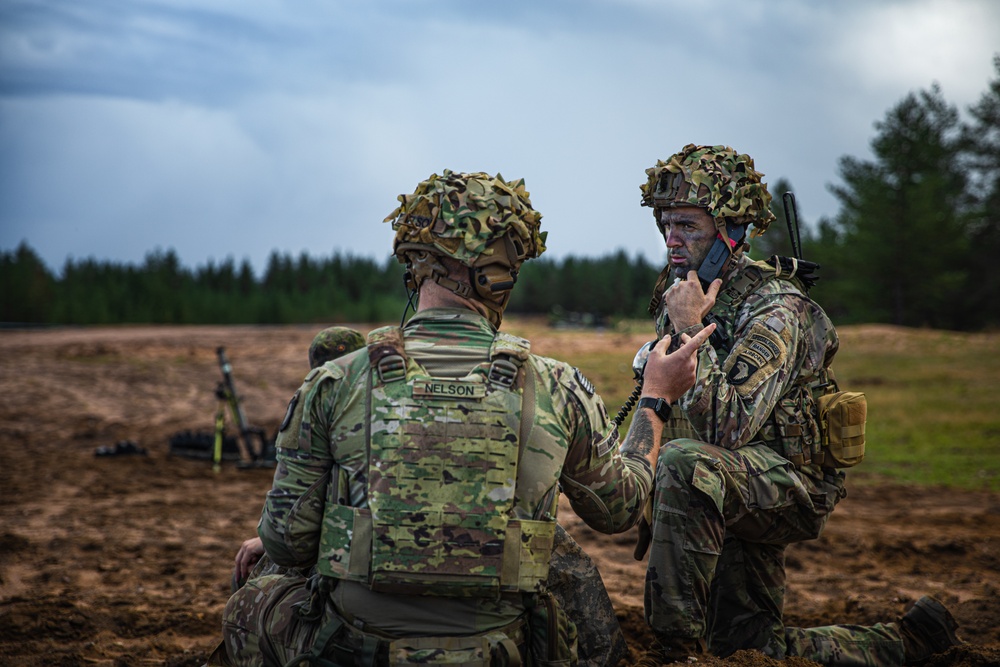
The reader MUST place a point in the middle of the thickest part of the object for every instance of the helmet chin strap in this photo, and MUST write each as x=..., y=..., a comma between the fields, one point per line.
x=491, y=308
x=720, y=226
x=493, y=281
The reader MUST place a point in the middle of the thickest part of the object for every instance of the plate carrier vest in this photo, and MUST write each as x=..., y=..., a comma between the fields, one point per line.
x=442, y=516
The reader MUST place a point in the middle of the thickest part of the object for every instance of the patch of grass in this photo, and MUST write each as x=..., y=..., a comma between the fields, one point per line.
x=933, y=398
x=933, y=406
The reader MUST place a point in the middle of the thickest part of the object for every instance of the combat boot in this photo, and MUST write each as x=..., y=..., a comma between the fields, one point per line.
x=672, y=651
x=927, y=628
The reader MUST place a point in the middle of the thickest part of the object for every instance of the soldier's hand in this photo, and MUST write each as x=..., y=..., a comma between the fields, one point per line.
x=670, y=375
x=687, y=303
x=250, y=552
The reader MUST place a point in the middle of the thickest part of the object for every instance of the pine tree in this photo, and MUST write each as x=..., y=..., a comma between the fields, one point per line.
x=904, y=218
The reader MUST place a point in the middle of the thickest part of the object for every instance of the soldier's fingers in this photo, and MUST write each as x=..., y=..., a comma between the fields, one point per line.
x=662, y=345
x=713, y=289
x=692, y=343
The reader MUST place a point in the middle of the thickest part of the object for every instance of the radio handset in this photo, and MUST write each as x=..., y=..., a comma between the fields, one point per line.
x=719, y=255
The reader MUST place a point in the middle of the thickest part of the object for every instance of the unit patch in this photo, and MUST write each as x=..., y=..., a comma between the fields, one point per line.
x=448, y=389
x=289, y=412
x=582, y=380
x=756, y=358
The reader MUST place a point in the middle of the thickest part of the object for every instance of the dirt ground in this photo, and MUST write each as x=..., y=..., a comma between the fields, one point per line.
x=125, y=560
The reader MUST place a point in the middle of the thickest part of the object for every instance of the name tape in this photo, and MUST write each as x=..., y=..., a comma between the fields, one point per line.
x=446, y=389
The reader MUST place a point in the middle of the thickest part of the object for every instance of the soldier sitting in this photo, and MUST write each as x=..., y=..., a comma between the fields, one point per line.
x=420, y=477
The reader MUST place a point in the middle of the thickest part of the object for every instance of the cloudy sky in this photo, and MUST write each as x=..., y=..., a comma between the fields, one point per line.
x=231, y=128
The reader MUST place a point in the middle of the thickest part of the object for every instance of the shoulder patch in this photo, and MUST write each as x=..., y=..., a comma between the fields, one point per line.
x=582, y=380
x=756, y=357
x=290, y=411
x=295, y=420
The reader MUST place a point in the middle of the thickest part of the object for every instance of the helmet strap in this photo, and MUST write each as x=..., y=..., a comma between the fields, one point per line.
x=459, y=288
x=421, y=264
x=491, y=276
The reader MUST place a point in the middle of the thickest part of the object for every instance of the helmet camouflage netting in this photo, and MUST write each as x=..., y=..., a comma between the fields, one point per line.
x=716, y=178
x=332, y=343
x=460, y=215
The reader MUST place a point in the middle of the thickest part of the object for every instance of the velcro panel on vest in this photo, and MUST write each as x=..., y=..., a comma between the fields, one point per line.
x=345, y=542
x=528, y=565
x=441, y=488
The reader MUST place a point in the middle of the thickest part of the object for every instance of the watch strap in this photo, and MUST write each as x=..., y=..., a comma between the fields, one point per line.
x=660, y=406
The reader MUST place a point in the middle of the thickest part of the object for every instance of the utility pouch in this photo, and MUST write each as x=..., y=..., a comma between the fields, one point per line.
x=796, y=432
x=842, y=418
x=343, y=645
x=493, y=649
x=552, y=640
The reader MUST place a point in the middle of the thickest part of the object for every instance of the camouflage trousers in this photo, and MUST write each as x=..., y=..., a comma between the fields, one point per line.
x=262, y=626
x=722, y=520
x=577, y=585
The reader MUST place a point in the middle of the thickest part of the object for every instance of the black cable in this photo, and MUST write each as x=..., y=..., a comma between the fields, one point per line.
x=627, y=407
x=409, y=304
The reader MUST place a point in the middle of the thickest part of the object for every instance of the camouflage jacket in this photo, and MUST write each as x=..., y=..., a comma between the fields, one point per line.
x=772, y=341
x=326, y=457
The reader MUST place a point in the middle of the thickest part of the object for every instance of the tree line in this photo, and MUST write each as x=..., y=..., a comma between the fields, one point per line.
x=917, y=236
x=291, y=290
x=914, y=243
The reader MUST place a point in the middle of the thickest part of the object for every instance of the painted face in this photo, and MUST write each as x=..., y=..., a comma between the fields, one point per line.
x=689, y=232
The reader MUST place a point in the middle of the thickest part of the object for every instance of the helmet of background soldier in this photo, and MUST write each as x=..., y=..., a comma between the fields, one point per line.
x=332, y=343
x=481, y=221
x=715, y=178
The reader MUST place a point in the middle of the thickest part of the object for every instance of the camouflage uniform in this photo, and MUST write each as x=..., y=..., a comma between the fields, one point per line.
x=723, y=513
x=329, y=344
x=570, y=428
x=366, y=464
x=745, y=472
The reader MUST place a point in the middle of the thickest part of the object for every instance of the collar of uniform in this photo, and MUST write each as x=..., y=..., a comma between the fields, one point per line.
x=432, y=318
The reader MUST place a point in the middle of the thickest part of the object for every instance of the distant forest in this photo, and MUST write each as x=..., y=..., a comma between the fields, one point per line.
x=916, y=242
x=293, y=290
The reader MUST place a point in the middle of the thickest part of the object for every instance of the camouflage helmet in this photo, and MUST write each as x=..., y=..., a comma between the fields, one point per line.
x=481, y=221
x=332, y=343
x=715, y=178
x=462, y=215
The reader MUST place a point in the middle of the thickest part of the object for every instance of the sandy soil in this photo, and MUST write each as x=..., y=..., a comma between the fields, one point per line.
x=125, y=560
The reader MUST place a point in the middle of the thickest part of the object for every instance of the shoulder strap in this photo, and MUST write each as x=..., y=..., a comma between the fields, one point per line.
x=743, y=284
x=387, y=354
x=507, y=353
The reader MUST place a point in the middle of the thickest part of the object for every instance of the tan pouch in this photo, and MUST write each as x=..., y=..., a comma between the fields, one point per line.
x=472, y=651
x=842, y=417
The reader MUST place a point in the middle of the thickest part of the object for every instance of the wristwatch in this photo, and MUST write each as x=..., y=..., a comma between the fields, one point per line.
x=660, y=406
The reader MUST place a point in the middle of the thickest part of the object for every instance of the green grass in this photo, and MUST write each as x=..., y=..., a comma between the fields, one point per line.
x=933, y=404
x=933, y=400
